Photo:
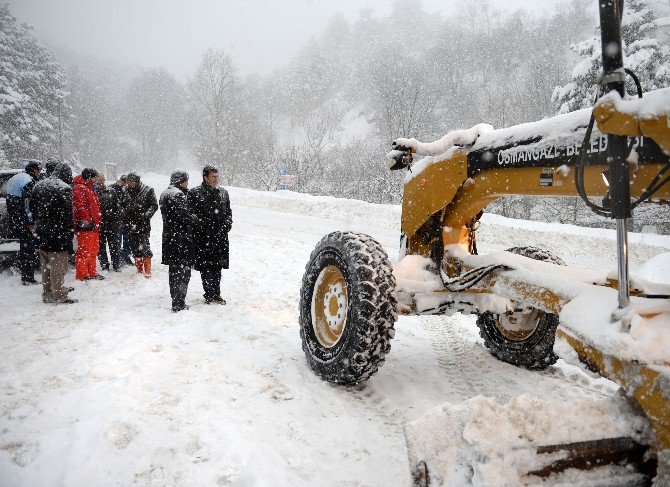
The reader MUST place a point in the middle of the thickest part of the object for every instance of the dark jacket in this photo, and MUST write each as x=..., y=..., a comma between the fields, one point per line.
x=51, y=206
x=178, y=224
x=119, y=190
x=211, y=207
x=110, y=207
x=137, y=207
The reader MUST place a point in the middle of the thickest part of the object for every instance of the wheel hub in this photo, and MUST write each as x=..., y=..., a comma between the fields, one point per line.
x=329, y=306
x=520, y=324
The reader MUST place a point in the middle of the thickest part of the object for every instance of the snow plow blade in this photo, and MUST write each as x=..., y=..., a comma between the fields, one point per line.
x=585, y=455
x=530, y=441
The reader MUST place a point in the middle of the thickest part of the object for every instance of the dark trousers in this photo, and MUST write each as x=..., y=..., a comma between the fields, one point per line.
x=124, y=244
x=179, y=277
x=27, y=257
x=211, y=281
x=139, y=244
x=109, y=238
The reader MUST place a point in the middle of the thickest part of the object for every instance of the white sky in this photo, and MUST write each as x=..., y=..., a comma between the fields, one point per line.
x=259, y=35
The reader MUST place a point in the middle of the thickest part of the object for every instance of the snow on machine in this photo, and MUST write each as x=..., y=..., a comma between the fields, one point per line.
x=618, y=324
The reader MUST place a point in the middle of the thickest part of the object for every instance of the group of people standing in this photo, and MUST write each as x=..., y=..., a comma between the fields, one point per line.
x=196, y=223
x=46, y=210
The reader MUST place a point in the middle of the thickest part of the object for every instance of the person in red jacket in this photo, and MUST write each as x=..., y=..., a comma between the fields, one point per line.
x=87, y=220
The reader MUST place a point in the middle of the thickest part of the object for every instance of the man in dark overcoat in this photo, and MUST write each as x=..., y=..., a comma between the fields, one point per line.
x=210, y=205
x=138, y=206
x=178, y=251
x=110, y=207
x=120, y=187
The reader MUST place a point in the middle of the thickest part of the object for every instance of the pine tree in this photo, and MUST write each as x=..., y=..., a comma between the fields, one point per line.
x=643, y=53
x=32, y=92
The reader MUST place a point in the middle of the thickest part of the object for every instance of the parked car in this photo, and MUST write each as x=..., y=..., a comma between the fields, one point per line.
x=9, y=246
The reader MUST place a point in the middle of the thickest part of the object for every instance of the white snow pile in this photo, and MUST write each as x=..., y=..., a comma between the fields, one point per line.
x=462, y=138
x=655, y=270
x=654, y=103
x=438, y=150
x=557, y=131
x=640, y=332
x=412, y=273
x=480, y=442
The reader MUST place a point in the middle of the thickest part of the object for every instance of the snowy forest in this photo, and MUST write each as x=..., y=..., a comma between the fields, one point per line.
x=329, y=115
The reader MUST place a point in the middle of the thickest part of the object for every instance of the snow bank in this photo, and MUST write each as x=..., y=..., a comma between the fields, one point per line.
x=481, y=443
x=597, y=245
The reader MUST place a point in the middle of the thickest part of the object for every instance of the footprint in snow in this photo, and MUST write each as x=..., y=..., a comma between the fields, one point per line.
x=21, y=454
x=120, y=434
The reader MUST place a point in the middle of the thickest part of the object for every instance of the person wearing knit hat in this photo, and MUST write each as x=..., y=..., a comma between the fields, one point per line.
x=137, y=208
x=178, y=249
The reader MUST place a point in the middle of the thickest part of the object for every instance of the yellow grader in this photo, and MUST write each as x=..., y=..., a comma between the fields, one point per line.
x=524, y=298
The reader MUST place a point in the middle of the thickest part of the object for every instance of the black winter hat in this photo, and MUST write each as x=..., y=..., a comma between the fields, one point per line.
x=134, y=177
x=63, y=172
x=178, y=177
x=89, y=173
x=51, y=165
x=33, y=166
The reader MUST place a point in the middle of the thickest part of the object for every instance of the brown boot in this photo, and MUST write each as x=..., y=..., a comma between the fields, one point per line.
x=139, y=264
x=147, y=267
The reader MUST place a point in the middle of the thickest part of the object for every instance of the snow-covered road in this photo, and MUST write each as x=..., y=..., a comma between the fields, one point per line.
x=117, y=390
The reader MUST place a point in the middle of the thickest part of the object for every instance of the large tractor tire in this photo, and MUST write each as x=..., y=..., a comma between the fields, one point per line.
x=347, y=308
x=521, y=339
x=524, y=338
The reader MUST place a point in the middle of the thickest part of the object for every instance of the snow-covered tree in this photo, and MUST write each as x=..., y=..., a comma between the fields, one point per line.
x=94, y=128
x=155, y=109
x=643, y=53
x=32, y=92
x=215, y=93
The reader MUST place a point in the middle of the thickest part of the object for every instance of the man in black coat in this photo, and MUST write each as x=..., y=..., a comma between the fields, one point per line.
x=51, y=206
x=119, y=188
x=110, y=208
x=211, y=207
x=178, y=251
x=138, y=206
